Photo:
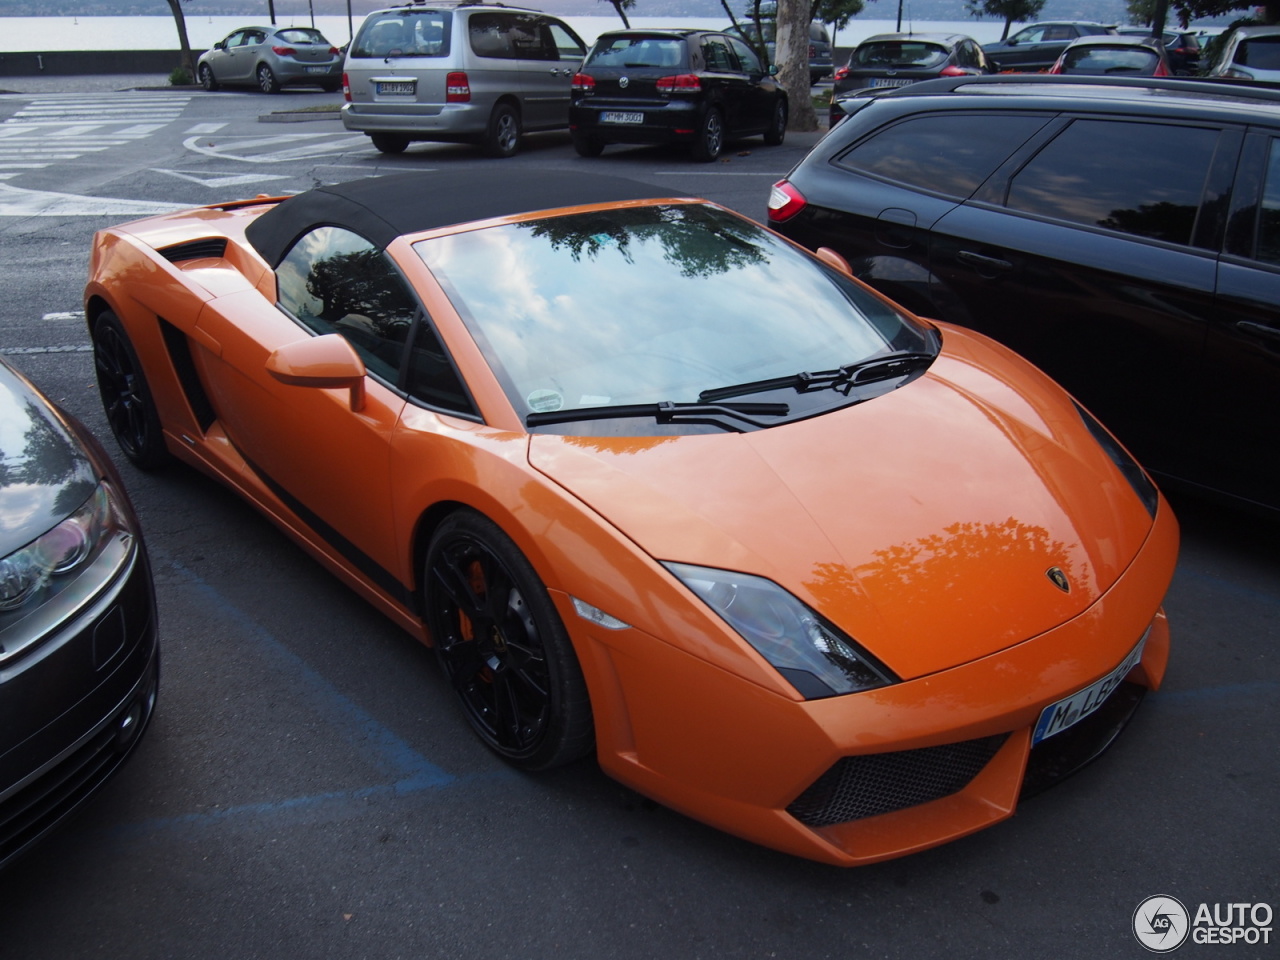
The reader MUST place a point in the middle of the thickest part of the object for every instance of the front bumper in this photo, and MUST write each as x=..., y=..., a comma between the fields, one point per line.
x=75, y=707
x=944, y=755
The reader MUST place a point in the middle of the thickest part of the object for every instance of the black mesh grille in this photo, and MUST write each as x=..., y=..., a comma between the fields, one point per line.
x=214, y=247
x=864, y=786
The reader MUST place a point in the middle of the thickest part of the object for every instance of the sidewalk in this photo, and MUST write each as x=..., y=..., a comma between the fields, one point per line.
x=86, y=83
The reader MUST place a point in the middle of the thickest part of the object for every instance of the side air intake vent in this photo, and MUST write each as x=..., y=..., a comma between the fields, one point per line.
x=215, y=247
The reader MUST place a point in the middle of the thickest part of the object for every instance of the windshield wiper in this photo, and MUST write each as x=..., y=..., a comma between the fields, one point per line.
x=719, y=414
x=847, y=377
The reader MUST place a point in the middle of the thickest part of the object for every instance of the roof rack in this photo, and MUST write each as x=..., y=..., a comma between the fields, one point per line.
x=1201, y=86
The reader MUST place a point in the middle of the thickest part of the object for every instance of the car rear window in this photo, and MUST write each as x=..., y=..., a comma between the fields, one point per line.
x=950, y=154
x=898, y=53
x=633, y=52
x=1109, y=61
x=1261, y=53
x=1139, y=178
x=404, y=33
x=301, y=35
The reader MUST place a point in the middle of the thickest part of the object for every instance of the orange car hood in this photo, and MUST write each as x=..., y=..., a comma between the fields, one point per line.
x=923, y=522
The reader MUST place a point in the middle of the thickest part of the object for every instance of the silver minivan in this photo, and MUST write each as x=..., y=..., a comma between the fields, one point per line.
x=470, y=73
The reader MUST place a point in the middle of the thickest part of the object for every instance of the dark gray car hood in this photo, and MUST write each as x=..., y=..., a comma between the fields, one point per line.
x=45, y=475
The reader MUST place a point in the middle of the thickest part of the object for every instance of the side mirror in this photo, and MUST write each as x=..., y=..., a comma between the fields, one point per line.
x=323, y=362
x=773, y=69
x=833, y=259
x=220, y=45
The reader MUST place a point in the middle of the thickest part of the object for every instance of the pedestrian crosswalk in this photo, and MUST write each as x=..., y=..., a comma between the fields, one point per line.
x=56, y=128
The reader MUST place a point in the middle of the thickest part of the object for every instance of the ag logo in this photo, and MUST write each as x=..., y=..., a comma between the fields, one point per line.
x=1161, y=924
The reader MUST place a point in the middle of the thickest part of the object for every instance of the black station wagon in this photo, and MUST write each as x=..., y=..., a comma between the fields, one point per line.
x=674, y=86
x=1123, y=234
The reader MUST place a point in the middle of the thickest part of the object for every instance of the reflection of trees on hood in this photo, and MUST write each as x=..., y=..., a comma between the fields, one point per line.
x=356, y=283
x=48, y=459
x=701, y=242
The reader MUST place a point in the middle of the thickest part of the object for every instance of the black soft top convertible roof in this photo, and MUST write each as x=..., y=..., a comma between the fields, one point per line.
x=383, y=208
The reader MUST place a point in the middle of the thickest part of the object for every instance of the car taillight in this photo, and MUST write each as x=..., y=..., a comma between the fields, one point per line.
x=813, y=51
x=457, y=89
x=685, y=82
x=334, y=51
x=584, y=83
x=1057, y=67
x=785, y=201
x=841, y=73
x=953, y=71
x=283, y=51
x=1160, y=70
x=346, y=88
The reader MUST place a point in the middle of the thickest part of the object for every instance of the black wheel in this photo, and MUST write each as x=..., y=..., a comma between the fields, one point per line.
x=331, y=86
x=389, y=142
x=710, y=139
x=267, y=82
x=503, y=646
x=778, y=126
x=207, y=79
x=587, y=146
x=126, y=398
x=502, y=138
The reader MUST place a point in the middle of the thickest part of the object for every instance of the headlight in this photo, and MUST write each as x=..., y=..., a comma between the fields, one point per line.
x=42, y=567
x=1141, y=483
x=811, y=653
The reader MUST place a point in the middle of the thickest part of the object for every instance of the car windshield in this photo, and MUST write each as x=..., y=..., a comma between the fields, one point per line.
x=898, y=53
x=652, y=304
x=636, y=52
x=1109, y=60
x=404, y=33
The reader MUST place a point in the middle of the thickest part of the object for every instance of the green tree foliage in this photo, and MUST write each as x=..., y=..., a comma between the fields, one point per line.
x=622, y=6
x=1011, y=11
x=1184, y=11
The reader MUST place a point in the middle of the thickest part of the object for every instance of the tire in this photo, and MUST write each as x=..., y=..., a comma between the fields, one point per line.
x=126, y=397
x=502, y=138
x=777, y=131
x=389, y=142
x=710, y=140
x=587, y=146
x=267, y=82
x=207, y=79
x=503, y=646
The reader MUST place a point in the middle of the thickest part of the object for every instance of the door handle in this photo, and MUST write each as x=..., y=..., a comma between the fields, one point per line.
x=1259, y=329
x=983, y=262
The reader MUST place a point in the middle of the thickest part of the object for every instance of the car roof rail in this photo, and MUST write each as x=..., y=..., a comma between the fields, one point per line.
x=1200, y=86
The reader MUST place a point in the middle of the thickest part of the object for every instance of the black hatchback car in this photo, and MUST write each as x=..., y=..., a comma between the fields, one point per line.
x=1123, y=234
x=78, y=656
x=674, y=86
x=900, y=59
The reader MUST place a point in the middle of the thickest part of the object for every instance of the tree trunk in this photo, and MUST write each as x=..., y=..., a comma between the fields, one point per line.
x=792, y=56
x=617, y=5
x=188, y=62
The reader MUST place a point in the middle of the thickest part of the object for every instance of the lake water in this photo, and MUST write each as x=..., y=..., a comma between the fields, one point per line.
x=40, y=34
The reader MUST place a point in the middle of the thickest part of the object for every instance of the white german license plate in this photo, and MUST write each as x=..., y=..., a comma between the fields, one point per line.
x=1071, y=710
x=614, y=116
x=317, y=69
x=399, y=87
x=886, y=82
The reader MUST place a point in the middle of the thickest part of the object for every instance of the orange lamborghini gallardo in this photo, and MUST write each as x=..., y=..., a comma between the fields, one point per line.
x=658, y=485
